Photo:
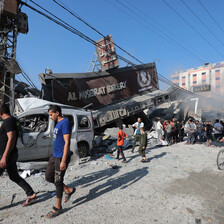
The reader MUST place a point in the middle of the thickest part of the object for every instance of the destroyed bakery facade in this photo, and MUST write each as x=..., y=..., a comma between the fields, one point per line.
x=109, y=94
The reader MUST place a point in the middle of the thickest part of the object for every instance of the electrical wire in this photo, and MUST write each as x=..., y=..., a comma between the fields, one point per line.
x=202, y=22
x=192, y=27
x=160, y=32
x=162, y=78
x=70, y=28
x=82, y=20
x=210, y=15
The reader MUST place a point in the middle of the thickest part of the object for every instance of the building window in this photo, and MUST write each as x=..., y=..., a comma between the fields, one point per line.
x=183, y=77
x=175, y=78
x=194, y=82
x=217, y=71
x=203, y=80
x=217, y=87
x=203, y=73
x=217, y=78
x=194, y=75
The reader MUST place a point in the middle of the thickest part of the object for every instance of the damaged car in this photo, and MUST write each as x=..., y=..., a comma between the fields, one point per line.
x=35, y=141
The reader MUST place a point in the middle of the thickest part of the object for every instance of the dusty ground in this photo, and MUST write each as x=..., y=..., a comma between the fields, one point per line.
x=178, y=184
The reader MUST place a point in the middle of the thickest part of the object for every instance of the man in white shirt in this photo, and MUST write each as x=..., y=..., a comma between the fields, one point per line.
x=159, y=129
x=217, y=129
x=137, y=125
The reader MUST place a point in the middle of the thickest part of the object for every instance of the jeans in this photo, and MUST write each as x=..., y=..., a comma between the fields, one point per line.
x=137, y=138
x=120, y=151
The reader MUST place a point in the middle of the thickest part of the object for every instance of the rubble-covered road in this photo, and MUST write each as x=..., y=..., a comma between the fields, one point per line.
x=178, y=184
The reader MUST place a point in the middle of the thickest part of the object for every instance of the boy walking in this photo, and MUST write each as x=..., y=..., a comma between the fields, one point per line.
x=58, y=163
x=120, y=142
x=143, y=145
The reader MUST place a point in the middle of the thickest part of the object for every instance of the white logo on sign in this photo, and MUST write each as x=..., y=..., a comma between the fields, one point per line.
x=144, y=78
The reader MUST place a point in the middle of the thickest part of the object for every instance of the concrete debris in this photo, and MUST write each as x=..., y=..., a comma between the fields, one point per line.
x=37, y=165
x=25, y=174
x=97, y=141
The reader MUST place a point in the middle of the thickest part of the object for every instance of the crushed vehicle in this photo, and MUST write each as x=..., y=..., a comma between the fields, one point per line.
x=35, y=142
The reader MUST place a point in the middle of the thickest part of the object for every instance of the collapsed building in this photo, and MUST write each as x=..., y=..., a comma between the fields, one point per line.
x=115, y=96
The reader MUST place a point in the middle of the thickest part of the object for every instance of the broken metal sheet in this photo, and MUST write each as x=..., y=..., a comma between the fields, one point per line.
x=127, y=108
x=25, y=104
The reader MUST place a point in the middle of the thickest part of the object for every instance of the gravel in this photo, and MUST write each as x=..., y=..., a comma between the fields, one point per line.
x=178, y=184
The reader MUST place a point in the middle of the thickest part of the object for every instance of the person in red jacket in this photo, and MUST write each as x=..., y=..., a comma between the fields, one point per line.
x=120, y=142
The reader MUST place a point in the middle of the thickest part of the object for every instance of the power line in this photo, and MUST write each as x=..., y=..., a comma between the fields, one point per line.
x=195, y=30
x=211, y=16
x=202, y=22
x=159, y=31
x=162, y=78
x=82, y=20
x=75, y=31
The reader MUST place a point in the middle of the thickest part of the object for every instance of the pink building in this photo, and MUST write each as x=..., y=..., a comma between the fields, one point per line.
x=207, y=80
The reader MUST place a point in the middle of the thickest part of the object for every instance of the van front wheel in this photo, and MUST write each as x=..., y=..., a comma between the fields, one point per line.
x=83, y=149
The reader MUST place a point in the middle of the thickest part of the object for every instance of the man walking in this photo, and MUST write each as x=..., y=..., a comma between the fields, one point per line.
x=58, y=163
x=143, y=145
x=9, y=132
x=137, y=125
x=159, y=129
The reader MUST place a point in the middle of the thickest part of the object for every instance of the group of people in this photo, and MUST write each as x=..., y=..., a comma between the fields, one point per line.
x=139, y=135
x=174, y=131
x=171, y=131
x=204, y=132
x=58, y=163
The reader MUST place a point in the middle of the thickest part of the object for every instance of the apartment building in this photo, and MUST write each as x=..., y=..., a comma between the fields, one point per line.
x=207, y=80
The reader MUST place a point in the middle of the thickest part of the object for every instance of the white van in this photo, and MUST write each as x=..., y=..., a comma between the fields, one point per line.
x=35, y=143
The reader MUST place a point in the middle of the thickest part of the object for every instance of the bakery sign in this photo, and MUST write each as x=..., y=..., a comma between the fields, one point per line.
x=107, y=89
x=202, y=88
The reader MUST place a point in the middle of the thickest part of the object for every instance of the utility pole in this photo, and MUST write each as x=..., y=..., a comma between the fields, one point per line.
x=12, y=21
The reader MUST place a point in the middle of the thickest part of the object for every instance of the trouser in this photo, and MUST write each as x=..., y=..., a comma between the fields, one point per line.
x=169, y=137
x=181, y=134
x=165, y=135
x=55, y=175
x=14, y=175
x=216, y=136
x=199, y=136
x=137, y=138
x=160, y=134
x=120, y=151
x=141, y=151
x=191, y=138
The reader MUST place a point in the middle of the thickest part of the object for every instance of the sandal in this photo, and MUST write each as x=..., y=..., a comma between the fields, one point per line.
x=143, y=160
x=29, y=200
x=54, y=212
x=68, y=195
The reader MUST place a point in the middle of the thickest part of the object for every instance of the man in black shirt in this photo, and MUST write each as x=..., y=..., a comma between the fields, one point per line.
x=9, y=132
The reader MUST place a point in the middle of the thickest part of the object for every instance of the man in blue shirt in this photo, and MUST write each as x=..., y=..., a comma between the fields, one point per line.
x=58, y=163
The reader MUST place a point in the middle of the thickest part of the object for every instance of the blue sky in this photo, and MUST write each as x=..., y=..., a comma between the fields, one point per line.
x=148, y=29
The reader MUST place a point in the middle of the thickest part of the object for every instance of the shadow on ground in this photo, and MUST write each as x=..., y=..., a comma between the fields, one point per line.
x=122, y=182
